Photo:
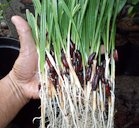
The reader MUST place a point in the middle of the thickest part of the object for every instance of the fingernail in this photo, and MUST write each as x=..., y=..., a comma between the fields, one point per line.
x=13, y=19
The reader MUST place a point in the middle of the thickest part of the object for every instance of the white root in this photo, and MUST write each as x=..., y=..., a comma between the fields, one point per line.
x=70, y=106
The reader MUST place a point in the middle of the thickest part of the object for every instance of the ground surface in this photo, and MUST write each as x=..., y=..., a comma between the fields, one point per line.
x=127, y=102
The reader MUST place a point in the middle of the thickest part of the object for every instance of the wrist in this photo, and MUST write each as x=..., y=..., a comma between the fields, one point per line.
x=11, y=101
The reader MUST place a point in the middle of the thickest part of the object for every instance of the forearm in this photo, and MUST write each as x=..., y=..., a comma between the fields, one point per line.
x=11, y=101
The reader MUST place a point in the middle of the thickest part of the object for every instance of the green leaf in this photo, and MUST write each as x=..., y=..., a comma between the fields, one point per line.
x=37, y=5
x=42, y=35
x=121, y=5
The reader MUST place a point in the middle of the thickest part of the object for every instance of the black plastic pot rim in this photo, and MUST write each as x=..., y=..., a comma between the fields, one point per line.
x=9, y=46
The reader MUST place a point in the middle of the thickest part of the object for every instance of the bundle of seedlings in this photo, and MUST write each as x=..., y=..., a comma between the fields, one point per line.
x=77, y=81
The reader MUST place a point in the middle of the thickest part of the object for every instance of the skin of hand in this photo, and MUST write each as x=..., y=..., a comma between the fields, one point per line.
x=22, y=82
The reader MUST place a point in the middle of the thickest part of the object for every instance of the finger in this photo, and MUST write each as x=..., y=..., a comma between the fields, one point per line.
x=115, y=55
x=26, y=64
x=102, y=48
x=25, y=35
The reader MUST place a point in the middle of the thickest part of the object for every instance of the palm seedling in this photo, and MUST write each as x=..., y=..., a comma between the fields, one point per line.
x=77, y=81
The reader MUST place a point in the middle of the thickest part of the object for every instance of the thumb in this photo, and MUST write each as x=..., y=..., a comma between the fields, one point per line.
x=24, y=71
x=25, y=35
x=26, y=63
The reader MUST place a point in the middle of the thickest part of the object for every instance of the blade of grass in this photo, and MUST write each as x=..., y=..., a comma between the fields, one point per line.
x=42, y=36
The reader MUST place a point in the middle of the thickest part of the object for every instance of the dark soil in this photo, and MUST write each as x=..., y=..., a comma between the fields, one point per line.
x=127, y=102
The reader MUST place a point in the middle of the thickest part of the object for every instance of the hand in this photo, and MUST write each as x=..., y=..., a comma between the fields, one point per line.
x=21, y=84
x=24, y=72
